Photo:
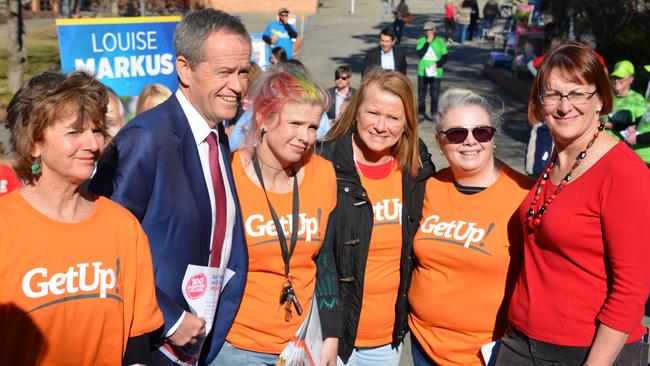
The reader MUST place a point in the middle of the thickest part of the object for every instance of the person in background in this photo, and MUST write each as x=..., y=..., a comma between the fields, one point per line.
x=381, y=168
x=450, y=21
x=274, y=170
x=463, y=20
x=589, y=41
x=401, y=11
x=115, y=120
x=473, y=30
x=469, y=246
x=579, y=299
x=629, y=105
x=490, y=13
x=76, y=283
x=280, y=33
x=278, y=54
x=170, y=167
x=534, y=65
x=386, y=56
x=432, y=54
x=341, y=92
x=8, y=178
x=150, y=96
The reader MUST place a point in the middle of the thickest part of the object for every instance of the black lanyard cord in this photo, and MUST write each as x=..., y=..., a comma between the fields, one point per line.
x=286, y=252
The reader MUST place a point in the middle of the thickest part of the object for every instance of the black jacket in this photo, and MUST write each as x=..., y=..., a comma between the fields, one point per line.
x=331, y=113
x=373, y=58
x=353, y=220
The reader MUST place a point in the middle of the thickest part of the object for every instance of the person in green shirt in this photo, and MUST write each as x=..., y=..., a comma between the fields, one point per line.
x=638, y=137
x=432, y=55
x=625, y=99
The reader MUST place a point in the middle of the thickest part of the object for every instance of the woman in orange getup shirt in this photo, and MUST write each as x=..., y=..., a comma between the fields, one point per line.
x=469, y=244
x=381, y=167
x=280, y=181
x=76, y=278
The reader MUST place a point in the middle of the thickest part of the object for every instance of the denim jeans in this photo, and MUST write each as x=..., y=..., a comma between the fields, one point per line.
x=373, y=356
x=518, y=349
x=433, y=84
x=420, y=358
x=462, y=33
x=233, y=356
x=398, y=26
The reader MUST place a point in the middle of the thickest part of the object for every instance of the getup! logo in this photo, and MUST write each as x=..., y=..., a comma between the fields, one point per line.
x=259, y=226
x=458, y=232
x=80, y=281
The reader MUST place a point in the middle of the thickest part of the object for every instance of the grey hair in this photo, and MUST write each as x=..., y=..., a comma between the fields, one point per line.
x=457, y=97
x=192, y=32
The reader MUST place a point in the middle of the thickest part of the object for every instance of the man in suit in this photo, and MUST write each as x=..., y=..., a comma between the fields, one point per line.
x=170, y=167
x=386, y=55
x=341, y=93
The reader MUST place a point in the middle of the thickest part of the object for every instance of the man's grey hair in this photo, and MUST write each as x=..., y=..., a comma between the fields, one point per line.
x=196, y=27
x=457, y=97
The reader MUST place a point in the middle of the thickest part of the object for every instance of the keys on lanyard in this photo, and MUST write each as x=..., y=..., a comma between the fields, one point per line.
x=288, y=297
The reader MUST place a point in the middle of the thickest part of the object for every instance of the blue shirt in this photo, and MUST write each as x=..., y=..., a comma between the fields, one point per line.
x=275, y=29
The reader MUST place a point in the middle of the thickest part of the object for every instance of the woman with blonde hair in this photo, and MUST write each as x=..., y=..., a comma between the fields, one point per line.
x=151, y=96
x=381, y=168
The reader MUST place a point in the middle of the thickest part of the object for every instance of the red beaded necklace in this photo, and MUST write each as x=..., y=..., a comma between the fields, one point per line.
x=534, y=217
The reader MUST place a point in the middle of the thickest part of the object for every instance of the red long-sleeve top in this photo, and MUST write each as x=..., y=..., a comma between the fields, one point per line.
x=589, y=262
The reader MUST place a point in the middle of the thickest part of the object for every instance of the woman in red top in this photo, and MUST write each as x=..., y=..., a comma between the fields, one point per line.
x=580, y=297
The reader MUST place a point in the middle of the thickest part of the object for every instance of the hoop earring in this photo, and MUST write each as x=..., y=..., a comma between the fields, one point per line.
x=36, y=167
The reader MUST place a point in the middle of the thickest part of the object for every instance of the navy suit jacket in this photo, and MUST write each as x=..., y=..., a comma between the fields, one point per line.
x=152, y=168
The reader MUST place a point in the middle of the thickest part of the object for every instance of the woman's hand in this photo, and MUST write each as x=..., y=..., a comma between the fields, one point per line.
x=607, y=344
x=329, y=352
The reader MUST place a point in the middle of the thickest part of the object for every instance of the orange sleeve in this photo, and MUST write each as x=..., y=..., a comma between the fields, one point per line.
x=146, y=314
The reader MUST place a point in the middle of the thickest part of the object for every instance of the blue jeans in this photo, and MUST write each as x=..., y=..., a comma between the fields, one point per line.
x=373, y=356
x=233, y=356
x=420, y=358
x=462, y=33
x=398, y=26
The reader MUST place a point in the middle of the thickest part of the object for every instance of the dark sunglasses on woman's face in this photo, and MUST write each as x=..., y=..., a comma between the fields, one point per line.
x=458, y=135
x=342, y=77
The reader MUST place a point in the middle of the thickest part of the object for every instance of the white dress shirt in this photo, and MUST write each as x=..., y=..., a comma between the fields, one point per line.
x=387, y=60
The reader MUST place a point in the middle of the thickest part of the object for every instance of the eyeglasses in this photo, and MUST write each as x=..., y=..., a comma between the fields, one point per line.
x=342, y=77
x=575, y=98
x=458, y=135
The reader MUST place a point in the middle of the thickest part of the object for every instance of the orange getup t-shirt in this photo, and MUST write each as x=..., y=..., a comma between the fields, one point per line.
x=259, y=325
x=381, y=279
x=72, y=293
x=464, y=247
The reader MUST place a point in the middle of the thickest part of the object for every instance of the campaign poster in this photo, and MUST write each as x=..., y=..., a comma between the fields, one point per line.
x=125, y=54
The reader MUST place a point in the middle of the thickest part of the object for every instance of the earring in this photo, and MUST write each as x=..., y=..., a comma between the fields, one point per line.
x=36, y=167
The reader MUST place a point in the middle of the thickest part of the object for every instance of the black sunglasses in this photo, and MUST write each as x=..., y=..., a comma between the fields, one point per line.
x=342, y=77
x=458, y=135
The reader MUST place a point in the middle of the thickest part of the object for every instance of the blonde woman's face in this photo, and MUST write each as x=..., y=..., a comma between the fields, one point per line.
x=381, y=120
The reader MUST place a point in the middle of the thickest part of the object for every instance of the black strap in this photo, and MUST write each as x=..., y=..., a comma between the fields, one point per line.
x=286, y=252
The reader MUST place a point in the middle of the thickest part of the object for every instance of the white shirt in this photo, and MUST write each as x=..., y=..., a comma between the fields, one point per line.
x=340, y=98
x=200, y=131
x=387, y=60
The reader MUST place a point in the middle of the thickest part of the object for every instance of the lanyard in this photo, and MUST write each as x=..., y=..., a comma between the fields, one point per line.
x=286, y=252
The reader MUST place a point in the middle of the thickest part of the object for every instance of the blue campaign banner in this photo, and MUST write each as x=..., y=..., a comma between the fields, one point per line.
x=125, y=54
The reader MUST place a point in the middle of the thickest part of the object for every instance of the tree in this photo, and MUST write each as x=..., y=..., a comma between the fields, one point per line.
x=605, y=18
x=15, y=44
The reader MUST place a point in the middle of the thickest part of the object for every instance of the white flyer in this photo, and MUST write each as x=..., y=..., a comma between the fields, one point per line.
x=201, y=288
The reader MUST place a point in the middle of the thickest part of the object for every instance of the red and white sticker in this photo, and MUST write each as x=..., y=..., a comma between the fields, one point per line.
x=196, y=286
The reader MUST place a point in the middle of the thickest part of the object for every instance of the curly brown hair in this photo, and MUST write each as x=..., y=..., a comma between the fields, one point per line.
x=42, y=101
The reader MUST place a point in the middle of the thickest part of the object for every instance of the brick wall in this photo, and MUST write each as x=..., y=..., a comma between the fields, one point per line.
x=264, y=6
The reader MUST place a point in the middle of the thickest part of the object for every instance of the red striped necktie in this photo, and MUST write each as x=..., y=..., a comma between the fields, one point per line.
x=219, y=201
